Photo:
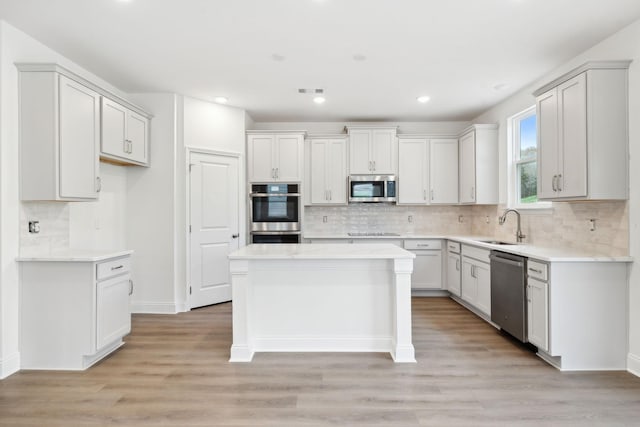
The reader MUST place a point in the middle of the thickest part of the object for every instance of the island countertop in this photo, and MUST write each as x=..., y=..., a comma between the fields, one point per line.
x=324, y=251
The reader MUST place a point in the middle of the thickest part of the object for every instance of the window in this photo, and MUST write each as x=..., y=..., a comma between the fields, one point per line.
x=523, y=182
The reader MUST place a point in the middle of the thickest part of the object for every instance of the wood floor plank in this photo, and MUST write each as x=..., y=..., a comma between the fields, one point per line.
x=174, y=371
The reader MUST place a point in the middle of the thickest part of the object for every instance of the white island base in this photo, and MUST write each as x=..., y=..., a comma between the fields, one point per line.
x=321, y=298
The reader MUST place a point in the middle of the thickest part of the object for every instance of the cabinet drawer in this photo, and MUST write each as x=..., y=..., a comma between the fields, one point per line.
x=537, y=270
x=453, y=247
x=476, y=253
x=113, y=267
x=423, y=244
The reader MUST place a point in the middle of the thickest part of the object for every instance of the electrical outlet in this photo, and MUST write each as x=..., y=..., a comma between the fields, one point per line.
x=592, y=224
x=410, y=218
x=34, y=227
x=460, y=219
x=325, y=218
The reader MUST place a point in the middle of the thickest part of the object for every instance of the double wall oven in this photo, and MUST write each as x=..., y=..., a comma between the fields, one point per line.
x=275, y=211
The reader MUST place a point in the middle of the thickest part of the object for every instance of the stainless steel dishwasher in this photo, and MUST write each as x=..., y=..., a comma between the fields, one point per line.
x=508, y=293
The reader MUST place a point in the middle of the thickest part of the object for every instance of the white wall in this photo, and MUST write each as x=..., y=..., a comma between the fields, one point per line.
x=15, y=46
x=150, y=218
x=623, y=45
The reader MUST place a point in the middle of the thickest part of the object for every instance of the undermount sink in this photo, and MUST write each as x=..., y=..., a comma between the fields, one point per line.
x=496, y=242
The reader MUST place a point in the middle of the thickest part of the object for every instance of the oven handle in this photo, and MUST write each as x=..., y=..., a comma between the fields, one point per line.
x=274, y=194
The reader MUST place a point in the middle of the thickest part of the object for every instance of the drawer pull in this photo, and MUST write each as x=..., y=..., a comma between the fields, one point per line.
x=117, y=268
x=535, y=270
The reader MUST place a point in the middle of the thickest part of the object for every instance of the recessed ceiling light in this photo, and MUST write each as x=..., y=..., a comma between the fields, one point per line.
x=277, y=57
x=359, y=57
x=423, y=99
x=221, y=99
x=319, y=99
x=500, y=86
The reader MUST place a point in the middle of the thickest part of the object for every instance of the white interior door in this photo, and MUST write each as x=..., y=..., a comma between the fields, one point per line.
x=214, y=195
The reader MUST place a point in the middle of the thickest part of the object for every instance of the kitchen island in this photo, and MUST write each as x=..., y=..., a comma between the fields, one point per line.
x=321, y=298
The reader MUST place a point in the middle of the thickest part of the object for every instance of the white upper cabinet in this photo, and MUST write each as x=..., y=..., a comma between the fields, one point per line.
x=125, y=134
x=59, y=138
x=443, y=171
x=275, y=156
x=413, y=171
x=583, y=134
x=372, y=150
x=328, y=170
x=478, y=163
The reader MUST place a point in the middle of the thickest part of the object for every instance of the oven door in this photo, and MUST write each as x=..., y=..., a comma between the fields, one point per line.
x=275, y=212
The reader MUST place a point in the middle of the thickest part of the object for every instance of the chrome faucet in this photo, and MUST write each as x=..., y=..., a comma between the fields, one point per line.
x=519, y=236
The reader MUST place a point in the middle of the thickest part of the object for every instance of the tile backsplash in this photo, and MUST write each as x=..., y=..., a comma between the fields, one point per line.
x=54, y=227
x=566, y=225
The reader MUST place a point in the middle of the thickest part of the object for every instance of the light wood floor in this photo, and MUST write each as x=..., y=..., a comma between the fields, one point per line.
x=173, y=370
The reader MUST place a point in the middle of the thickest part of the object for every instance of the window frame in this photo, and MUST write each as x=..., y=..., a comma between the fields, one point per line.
x=513, y=131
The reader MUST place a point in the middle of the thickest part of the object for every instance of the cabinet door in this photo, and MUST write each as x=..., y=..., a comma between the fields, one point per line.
x=113, y=315
x=538, y=313
x=114, y=129
x=79, y=140
x=337, y=177
x=443, y=170
x=260, y=149
x=483, y=277
x=469, y=291
x=289, y=157
x=427, y=270
x=319, y=166
x=384, y=150
x=572, y=158
x=548, y=150
x=138, y=138
x=453, y=274
x=412, y=171
x=468, y=168
x=360, y=152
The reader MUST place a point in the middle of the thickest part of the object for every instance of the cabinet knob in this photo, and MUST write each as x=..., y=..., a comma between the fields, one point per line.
x=98, y=184
x=235, y=236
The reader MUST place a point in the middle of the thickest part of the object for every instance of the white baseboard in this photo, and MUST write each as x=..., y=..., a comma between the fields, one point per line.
x=633, y=364
x=9, y=365
x=154, y=307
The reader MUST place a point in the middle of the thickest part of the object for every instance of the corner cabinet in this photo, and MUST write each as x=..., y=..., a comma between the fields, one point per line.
x=125, y=134
x=327, y=179
x=275, y=156
x=74, y=311
x=478, y=165
x=372, y=150
x=59, y=138
x=583, y=134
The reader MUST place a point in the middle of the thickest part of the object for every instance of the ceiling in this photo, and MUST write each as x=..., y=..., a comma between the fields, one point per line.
x=373, y=58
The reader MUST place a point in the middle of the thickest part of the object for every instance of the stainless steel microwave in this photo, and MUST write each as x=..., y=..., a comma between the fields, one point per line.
x=372, y=189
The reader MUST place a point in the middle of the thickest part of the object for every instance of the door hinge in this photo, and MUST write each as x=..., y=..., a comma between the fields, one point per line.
x=191, y=165
x=190, y=290
x=189, y=228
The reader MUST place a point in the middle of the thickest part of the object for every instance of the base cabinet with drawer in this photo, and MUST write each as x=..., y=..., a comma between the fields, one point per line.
x=454, y=268
x=427, y=266
x=74, y=311
x=577, y=313
x=476, y=278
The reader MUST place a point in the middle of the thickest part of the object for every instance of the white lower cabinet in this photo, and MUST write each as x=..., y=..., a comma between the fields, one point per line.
x=538, y=313
x=476, y=278
x=73, y=312
x=427, y=266
x=454, y=277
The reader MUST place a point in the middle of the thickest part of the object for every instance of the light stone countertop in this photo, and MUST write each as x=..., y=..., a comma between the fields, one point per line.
x=322, y=251
x=531, y=251
x=75, y=255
